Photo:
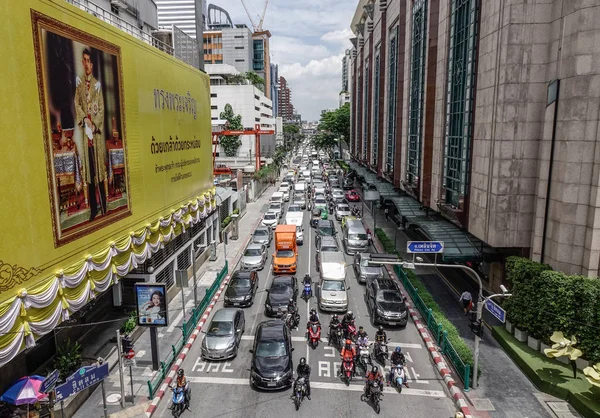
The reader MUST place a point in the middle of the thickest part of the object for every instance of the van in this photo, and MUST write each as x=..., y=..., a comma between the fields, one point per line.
x=354, y=237
x=300, y=186
x=332, y=290
x=277, y=197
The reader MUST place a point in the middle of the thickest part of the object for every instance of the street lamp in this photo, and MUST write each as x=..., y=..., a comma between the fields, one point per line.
x=223, y=237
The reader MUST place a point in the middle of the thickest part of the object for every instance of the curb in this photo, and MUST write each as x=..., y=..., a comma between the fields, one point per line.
x=186, y=348
x=442, y=368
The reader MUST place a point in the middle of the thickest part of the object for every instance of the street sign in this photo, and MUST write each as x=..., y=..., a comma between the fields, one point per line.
x=130, y=354
x=420, y=247
x=82, y=379
x=495, y=310
x=49, y=382
x=129, y=362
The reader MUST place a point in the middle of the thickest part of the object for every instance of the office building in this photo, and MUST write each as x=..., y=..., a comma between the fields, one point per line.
x=180, y=13
x=286, y=109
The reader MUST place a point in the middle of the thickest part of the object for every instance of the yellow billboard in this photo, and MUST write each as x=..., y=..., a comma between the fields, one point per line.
x=106, y=154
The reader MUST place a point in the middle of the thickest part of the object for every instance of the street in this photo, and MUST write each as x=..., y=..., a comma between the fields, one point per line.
x=221, y=389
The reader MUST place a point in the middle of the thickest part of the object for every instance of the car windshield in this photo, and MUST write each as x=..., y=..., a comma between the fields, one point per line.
x=240, y=282
x=220, y=329
x=270, y=216
x=326, y=230
x=285, y=253
x=357, y=236
x=344, y=208
x=270, y=349
x=389, y=296
x=333, y=286
x=294, y=209
x=281, y=289
x=261, y=233
x=298, y=229
x=320, y=202
x=276, y=206
x=329, y=249
x=252, y=252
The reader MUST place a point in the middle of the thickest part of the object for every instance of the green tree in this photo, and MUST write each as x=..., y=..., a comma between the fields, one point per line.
x=233, y=122
x=333, y=128
x=256, y=80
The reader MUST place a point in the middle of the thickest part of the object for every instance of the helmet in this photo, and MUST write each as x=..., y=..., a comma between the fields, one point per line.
x=375, y=369
x=380, y=328
x=291, y=300
x=180, y=372
x=348, y=342
x=313, y=311
x=302, y=361
x=334, y=317
x=350, y=315
x=398, y=350
x=361, y=328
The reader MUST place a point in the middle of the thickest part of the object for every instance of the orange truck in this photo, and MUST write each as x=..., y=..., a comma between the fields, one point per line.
x=285, y=258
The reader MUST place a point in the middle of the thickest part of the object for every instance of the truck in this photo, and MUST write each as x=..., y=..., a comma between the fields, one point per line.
x=285, y=258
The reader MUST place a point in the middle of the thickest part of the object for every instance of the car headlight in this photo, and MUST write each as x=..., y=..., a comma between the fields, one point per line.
x=286, y=374
x=255, y=375
x=380, y=311
x=227, y=297
x=231, y=345
x=268, y=305
x=247, y=297
x=403, y=314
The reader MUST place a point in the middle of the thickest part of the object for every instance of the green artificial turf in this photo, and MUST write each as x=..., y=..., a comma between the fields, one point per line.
x=551, y=376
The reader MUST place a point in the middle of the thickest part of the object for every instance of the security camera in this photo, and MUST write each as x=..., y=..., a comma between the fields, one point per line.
x=503, y=288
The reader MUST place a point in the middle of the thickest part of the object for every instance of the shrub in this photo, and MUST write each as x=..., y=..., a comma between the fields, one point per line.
x=225, y=222
x=68, y=359
x=129, y=325
x=388, y=245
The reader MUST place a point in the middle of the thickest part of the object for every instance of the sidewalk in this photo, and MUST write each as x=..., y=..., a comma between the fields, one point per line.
x=504, y=391
x=142, y=372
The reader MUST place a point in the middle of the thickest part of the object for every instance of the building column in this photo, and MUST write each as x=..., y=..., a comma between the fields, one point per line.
x=397, y=175
x=382, y=73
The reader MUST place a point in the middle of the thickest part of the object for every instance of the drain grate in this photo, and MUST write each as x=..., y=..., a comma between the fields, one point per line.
x=561, y=409
x=483, y=405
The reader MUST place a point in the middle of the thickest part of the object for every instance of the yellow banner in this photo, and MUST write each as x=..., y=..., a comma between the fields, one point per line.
x=102, y=134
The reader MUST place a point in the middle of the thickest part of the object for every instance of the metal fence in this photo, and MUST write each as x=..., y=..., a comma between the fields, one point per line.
x=437, y=330
x=187, y=330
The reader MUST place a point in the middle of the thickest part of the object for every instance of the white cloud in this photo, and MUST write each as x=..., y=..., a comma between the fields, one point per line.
x=340, y=36
x=287, y=50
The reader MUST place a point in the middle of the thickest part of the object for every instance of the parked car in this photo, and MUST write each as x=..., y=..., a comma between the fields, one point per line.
x=341, y=210
x=271, y=367
x=386, y=303
x=254, y=257
x=262, y=235
x=365, y=271
x=270, y=219
x=241, y=288
x=283, y=288
x=223, y=335
x=352, y=196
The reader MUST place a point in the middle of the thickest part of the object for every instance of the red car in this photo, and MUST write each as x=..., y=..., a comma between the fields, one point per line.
x=352, y=196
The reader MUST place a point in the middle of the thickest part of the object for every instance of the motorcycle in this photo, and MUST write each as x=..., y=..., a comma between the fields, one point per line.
x=292, y=320
x=364, y=357
x=307, y=292
x=314, y=335
x=380, y=350
x=375, y=395
x=179, y=403
x=299, y=391
x=350, y=332
x=335, y=336
x=347, y=370
x=399, y=377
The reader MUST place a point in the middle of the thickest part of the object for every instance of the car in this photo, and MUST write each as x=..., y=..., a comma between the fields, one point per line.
x=320, y=203
x=271, y=367
x=341, y=210
x=345, y=219
x=262, y=235
x=270, y=219
x=347, y=183
x=299, y=235
x=241, y=289
x=324, y=228
x=326, y=244
x=254, y=257
x=300, y=200
x=286, y=194
x=337, y=194
x=319, y=188
x=316, y=216
x=294, y=215
x=223, y=335
x=276, y=207
x=352, y=196
x=365, y=271
x=386, y=303
x=283, y=288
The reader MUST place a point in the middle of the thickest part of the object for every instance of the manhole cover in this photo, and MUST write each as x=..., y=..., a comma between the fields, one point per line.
x=483, y=405
x=113, y=398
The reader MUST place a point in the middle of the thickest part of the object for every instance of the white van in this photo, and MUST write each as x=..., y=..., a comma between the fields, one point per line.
x=277, y=197
x=300, y=187
x=333, y=289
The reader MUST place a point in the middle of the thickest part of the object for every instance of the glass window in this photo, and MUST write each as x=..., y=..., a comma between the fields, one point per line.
x=258, y=61
x=285, y=253
x=389, y=296
x=220, y=328
x=459, y=98
x=270, y=349
x=417, y=83
x=362, y=237
x=365, y=139
x=392, y=87
x=375, y=145
x=333, y=286
x=240, y=282
x=252, y=252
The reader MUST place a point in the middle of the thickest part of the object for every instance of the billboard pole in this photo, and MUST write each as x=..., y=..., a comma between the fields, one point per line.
x=154, y=348
x=120, y=357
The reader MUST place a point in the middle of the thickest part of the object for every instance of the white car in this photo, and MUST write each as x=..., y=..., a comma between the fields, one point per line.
x=286, y=194
x=299, y=235
x=270, y=220
x=277, y=208
x=337, y=194
x=294, y=215
x=342, y=210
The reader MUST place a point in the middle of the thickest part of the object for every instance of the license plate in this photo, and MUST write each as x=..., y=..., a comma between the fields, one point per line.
x=236, y=304
x=393, y=323
x=271, y=384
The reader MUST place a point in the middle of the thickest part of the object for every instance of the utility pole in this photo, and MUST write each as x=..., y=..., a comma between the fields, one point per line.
x=120, y=357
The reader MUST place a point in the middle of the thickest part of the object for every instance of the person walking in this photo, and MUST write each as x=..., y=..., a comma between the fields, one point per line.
x=387, y=213
x=467, y=301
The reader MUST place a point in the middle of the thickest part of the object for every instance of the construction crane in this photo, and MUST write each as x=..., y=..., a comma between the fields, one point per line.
x=257, y=28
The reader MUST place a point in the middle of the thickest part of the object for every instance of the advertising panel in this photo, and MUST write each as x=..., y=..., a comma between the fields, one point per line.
x=151, y=302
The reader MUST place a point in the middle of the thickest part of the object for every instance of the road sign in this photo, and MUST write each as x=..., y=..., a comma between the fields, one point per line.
x=129, y=362
x=82, y=379
x=496, y=310
x=49, y=382
x=420, y=247
x=129, y=355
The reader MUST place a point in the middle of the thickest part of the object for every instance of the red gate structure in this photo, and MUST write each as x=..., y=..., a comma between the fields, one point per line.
x=257, y=132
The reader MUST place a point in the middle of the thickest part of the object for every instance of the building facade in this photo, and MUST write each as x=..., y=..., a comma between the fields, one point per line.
x=275, y=88
x=486, y=113
x=346, y=71
x=286, y=109
x=180, y=13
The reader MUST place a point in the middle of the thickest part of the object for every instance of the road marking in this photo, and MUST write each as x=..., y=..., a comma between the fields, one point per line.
x=358, y=387
x=262, y=297
x=332, y=353
x=140, y=353
x=325, y=340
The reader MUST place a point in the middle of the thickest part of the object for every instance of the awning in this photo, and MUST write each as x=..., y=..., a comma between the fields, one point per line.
x=459, y=246
x=408, y=207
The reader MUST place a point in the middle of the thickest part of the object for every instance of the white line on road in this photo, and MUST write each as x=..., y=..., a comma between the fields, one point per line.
x=320, y=385
x=262, y=297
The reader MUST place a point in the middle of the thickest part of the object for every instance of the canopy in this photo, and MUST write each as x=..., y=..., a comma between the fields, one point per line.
x=25, y=391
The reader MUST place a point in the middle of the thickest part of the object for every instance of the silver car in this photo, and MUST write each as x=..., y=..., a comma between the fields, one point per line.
x=342, y=210
x=364, y=271
x=224, y=334
x=300, y=200
x=262, y=235
x=254, y=257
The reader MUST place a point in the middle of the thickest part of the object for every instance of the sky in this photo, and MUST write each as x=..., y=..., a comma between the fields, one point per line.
x=308, y=41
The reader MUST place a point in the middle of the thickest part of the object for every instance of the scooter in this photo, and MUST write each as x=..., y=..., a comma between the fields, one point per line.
x=292, y=320
x=399, y=377
x=375, y=395
x=307, y=292
x=347, y=370
x=335, y=337
x=364, y=357
x=299, y=391
x=314, y=335
x=351, y=332
x=179, y=403
x=380, y=350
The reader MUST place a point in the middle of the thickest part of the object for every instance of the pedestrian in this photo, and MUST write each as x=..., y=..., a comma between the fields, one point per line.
x=387, y=212
x=467, y=301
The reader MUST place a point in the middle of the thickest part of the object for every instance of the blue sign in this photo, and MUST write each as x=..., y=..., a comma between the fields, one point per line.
x=495, y=310
x=420, y=247
x=81, y=379
x=49, y=382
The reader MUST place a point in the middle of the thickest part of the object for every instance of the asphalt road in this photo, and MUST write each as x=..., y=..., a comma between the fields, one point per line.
x=221, y=389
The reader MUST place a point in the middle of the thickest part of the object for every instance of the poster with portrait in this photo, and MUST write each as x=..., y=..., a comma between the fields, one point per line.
x=151, y=303
x=81, y=94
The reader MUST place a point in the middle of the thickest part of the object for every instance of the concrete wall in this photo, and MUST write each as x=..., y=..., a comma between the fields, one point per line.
x=237, y=48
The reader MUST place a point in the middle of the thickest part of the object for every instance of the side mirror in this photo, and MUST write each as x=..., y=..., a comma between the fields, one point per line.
x=292, y=349
x=203, y=331
x=348, y=288
x=251, y=351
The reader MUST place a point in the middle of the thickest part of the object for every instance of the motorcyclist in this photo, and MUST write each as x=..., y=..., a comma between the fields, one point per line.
x=396, y=359
x=373, y=375
x=303, y=370
x=380, y=335
x=292, y=308
x=307, y=281
x=348, y=353
x=331, y=206
x=347, y=320
x=182, y=383
x=313, y=318
x=363, y=338
x=334, y=325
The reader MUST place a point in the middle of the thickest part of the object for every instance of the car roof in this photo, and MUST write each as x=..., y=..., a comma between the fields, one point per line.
x=254, y=247
x=262, y=228
x=242, y=274
x=387, y=284
x=225, y=314
x=328, y=241
x=270, y=330
x=325, y=222
x=282, y=280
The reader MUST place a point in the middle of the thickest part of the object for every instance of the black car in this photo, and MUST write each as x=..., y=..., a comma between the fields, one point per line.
x=283, y=288
x=324, y=228
x=272, y=366
x=385, y=302
x=347, y=183
x=241, y=288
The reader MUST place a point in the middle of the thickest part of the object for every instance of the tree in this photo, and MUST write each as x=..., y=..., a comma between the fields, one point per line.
x=256, y=80
x=333, y=128
x=233, y=122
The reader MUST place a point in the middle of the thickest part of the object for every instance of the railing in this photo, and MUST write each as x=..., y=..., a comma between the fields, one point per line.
x=437, y=330
x=187, y=330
